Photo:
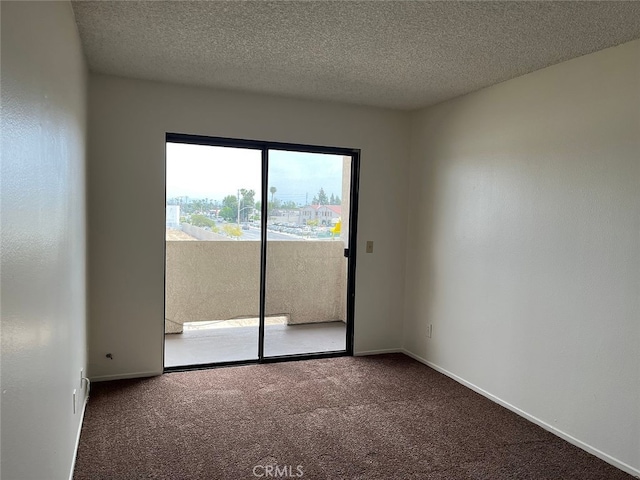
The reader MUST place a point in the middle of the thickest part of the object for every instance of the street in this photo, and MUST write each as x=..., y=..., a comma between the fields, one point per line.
x=255, y=235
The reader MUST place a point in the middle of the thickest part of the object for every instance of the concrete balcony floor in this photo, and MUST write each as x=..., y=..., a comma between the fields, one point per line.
x=238, y=340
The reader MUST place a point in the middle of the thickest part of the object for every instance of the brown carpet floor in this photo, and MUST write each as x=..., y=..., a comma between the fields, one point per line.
x=381, y=417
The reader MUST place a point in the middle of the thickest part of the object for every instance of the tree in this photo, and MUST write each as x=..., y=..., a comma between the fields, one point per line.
x=229, y=209
x=202, y=221
x=247, y=203
x=275, y=204
x=321, y=198
x=247, y=199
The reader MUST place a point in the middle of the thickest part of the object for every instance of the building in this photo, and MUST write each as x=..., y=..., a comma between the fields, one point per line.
x=285, y=215
x=173, y=216
x=511, y=209
x=320, y=214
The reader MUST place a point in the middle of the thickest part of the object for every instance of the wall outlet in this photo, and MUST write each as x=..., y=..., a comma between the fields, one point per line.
x=369, y=248
x=429, y=330
x=74, y=400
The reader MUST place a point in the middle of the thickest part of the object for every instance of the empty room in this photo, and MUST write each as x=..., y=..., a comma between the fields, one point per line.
x=320, y=239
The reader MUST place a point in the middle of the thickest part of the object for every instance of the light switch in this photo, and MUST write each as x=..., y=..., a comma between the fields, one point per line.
x=369, y=246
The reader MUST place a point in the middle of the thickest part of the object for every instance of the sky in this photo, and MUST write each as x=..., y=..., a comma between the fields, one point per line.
x=202, y=171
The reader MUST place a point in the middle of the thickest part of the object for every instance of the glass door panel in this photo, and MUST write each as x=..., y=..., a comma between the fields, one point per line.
x=306, y=268
x=212, y=260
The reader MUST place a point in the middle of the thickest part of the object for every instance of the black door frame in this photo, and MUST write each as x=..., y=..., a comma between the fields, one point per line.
x=350, y=253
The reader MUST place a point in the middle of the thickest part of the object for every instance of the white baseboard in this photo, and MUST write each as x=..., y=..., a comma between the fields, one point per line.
x=378, y=352
x=75, y=449
x=123, y=376
x=565, y=436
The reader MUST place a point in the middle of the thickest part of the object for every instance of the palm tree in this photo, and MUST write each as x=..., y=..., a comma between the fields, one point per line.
x=273, y=191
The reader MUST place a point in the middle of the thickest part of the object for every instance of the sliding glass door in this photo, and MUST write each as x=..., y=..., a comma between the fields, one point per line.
x=260, y=262
x=306, y=275
x=212, y=254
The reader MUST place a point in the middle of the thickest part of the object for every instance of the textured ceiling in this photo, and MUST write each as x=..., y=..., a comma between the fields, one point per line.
x=395, y=54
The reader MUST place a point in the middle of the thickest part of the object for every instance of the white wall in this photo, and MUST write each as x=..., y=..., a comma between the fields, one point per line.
x=127, y=124
x=524, y=246
x=43, y=238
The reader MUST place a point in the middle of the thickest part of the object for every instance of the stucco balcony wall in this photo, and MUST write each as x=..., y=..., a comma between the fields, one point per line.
x=208, y=281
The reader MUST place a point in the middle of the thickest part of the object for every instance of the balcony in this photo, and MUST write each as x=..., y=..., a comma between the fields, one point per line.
x=213, y=299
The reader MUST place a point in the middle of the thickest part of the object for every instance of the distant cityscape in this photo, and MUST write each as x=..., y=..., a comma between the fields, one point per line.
x=239, y=217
